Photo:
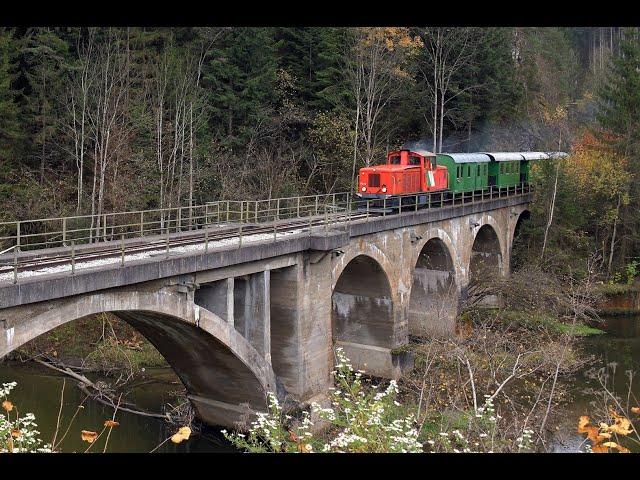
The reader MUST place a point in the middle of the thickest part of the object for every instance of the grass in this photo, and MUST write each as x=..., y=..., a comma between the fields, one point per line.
x=536, y=320
x=615, y=289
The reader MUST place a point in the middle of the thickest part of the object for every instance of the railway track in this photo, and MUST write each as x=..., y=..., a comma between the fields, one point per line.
x=114, y=248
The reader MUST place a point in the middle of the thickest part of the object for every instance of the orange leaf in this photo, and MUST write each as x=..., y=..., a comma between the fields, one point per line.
x=88, y=436
x=15, y=433
x=111, y=423
x=635, y=409
x=582, y=423
x=183, y=434
x=7, y=405
x=599, y=449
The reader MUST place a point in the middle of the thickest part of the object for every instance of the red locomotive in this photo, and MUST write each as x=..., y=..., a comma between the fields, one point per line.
x=405, y=172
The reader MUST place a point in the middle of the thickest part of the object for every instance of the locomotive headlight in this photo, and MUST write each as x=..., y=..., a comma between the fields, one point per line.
x=364, y=189
x=384, y=189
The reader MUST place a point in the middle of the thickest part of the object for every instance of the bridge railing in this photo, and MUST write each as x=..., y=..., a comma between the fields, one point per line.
x=211, y=224
x=85, y=229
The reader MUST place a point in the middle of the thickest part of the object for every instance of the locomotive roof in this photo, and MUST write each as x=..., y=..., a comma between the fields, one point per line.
x=468, y=157
x=424, y=153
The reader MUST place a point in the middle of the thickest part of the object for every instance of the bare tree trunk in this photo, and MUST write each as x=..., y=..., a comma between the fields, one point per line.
x=553, y=203
x=613, y=235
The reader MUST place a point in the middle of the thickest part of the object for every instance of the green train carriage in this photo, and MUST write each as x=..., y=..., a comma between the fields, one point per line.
x=476, y=171
x=467, y=171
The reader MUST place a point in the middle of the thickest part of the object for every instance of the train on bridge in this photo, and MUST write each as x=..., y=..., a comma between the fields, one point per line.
x=415, y=172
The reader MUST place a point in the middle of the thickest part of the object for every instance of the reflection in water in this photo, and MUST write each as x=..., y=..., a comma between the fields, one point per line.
x=619, y=351
x=39, y=392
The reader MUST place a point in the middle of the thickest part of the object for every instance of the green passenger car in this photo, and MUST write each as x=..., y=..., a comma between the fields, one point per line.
x=508, y=169
x=467, y=171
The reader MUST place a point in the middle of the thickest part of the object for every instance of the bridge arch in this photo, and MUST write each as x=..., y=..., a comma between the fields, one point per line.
x=433, y=299
x=364, y=315
x=218, y=367
x=515, y=234
x=486, y=258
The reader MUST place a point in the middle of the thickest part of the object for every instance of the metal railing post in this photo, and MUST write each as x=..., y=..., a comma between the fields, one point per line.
x=384, y=207
x=15, y=266
x=142, y=224
x=122, y=250
x=240, y=239
x=256, y=212
x=298, y=207
x=73, y=257
x=206, y=238
x=326, y=224
x=278, y=209
x=316, y=205
x=18, y=236
x=64, y=232
x=367, y=209
x=227, y=210
x=179, y=220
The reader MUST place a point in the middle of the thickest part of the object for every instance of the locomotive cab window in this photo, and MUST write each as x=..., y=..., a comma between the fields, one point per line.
x=395, y=160
x=415, y=161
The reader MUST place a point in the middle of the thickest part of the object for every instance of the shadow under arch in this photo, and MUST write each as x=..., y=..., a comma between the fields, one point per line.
x=433, y=302
x=485, y=263
x=362, y=305
x=223, y=374
x=518, y=240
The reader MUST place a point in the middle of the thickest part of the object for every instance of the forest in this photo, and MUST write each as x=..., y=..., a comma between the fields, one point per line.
x=100, y=120
x=111, y=119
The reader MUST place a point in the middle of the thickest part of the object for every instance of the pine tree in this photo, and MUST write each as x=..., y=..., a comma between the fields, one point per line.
x=619, y=116
x=240, y=77
x=9, y=125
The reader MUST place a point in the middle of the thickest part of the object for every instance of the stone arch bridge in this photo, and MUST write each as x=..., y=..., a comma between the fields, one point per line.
x=237, y=322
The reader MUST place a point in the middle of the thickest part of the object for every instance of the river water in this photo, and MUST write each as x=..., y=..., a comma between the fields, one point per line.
x=39, y=392
x=618, y=353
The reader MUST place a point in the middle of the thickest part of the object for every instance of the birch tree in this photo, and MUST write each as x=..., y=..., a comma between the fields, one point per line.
x=378, y=72
x=447, y=50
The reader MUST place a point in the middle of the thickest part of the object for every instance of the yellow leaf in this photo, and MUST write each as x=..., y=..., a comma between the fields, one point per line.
x=183, y=434
x=7, y=405
x=111, y=423
x=618, y=447
x=88, y=436
x=582, y=423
